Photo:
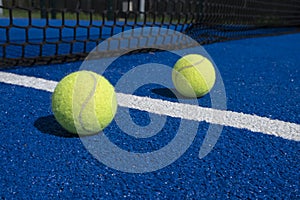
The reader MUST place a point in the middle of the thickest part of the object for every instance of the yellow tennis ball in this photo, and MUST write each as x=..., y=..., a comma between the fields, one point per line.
x=84, y=103
x=193, y=75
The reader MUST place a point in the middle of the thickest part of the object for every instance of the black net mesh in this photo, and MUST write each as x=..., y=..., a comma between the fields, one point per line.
x=54, y=31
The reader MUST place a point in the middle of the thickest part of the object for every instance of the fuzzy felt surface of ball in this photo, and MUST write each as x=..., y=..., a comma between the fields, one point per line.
x=84, y=103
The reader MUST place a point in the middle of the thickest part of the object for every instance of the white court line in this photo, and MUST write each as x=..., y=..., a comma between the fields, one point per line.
x=254, y=123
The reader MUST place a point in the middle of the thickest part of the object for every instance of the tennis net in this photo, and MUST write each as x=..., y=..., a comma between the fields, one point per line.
x=53, y=31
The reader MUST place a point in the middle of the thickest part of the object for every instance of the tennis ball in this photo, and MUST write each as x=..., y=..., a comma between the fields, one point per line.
x=193, y=75
x=84, y=103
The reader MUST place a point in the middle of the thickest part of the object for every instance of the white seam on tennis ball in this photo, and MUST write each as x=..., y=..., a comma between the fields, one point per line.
x=88, y=98
x=254, y=123
x=191, y=65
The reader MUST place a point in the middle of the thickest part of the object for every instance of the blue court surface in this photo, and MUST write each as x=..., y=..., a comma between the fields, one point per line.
x=256, y=156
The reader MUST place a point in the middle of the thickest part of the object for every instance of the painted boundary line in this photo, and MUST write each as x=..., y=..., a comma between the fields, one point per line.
x=254, y=123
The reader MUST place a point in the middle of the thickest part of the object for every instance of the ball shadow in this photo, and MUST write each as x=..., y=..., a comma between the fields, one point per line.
x=169, y=93
x=49, y=125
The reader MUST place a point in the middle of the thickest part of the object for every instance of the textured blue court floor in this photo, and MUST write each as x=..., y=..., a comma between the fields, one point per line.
x=39, y=160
